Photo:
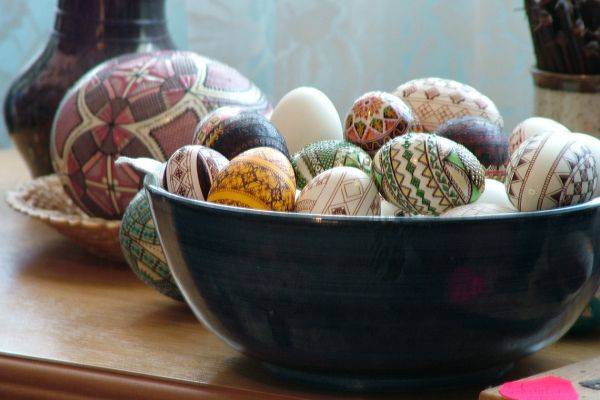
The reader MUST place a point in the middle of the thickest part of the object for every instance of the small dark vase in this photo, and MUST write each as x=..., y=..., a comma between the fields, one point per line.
x=85, y=33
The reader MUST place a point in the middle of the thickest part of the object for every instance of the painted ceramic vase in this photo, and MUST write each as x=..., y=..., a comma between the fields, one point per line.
x=85, y=33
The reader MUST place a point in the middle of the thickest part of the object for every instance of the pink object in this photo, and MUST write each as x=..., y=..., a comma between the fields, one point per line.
x=547, y=388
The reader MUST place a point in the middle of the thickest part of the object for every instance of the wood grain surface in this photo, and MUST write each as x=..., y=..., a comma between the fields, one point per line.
x=74, y=326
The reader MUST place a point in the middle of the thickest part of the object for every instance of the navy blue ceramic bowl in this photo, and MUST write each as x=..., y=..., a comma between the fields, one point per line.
x=380, y=303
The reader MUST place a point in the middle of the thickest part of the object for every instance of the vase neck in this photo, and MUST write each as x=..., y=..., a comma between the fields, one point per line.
x=110, y=21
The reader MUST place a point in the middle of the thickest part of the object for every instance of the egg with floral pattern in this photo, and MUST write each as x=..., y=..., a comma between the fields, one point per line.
x=136, y=105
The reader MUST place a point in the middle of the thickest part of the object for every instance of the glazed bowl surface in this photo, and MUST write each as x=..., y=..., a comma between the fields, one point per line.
x=348, y=299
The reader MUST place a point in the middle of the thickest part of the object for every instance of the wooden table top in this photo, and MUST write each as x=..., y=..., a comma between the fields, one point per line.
x=74, y=326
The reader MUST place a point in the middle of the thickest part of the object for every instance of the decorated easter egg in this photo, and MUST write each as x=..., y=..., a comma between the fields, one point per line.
x=306, y=115
x=487, y=141
x=260, y=178
x=550, y=171
x=321, y=156
x=340, y=191
x=142, y=250
x=436, y=100
x=231, y=135
x=531, y=127
x=139, y=105
x=477, y=209
x=377, y=117
x=191, y=171
x=594, y=144
x=427, y=174
x=495, y=193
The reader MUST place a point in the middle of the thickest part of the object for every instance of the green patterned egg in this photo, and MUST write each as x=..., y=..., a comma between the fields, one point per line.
x=142, y=250
x=318, y=157
x=427, y=174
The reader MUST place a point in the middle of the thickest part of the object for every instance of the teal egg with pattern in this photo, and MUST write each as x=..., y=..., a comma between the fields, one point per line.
x=319, y=157
x=142, y=250
x=427, y=174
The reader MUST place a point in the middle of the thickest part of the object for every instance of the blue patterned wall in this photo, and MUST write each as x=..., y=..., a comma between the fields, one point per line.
x=343, y=47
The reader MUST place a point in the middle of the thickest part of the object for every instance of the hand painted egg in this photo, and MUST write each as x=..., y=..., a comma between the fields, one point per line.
x=139, y=105
x=477, y=209
x=594, y=144
x=232, y=135
x=550, y=171
x=436, y=100
x=495, y=193
x=142, y=250
x=377, y=117
x=427, y=174
x=191, y=171
x=340, y=191
x=531, y=127
x=260, y=178
x=321, y=156
x=484, y=139
x=306, y=115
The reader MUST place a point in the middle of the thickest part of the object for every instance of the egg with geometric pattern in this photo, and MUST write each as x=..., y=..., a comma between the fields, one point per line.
x=340, y=191
x=260, y=178
x=142, y=250
x=377, y=117
x=191, y=171
x=427, y=174
x=137, y=105
x=318, y=157
x=550, y=171
x=436, y=100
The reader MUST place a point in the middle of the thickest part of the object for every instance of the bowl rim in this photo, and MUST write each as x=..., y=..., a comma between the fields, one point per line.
x=151, y=184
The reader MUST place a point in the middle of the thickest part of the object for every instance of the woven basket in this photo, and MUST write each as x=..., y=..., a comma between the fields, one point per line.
x=44, y=199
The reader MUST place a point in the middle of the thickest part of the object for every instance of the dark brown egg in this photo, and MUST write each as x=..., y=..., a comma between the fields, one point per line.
x=231, y=132
x=483, y=138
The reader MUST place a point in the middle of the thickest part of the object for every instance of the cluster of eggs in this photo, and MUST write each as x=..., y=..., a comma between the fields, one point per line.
x=430, y=147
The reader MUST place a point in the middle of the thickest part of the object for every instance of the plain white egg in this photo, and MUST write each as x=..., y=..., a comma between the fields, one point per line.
x=495, y=193
x=306, y=115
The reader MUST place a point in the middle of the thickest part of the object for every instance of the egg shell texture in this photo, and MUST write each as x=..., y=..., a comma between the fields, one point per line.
x=142, y=250
x=321, y=156
x=140, y=105
x=477, y=209
x=340, y=191
x=191, y=171
x=306, y=115
x=484, y=139
x=550, y=171
x=377, y=117
x=240, y=132
x=436, y=100
x=495, y=193
x=260, y=178
x=427, y=174
x=530, y=127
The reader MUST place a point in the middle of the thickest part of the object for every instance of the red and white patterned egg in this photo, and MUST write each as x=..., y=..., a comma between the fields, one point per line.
x=137, y=105
x=191, y=171
x=436, y=100
x=375, y=118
